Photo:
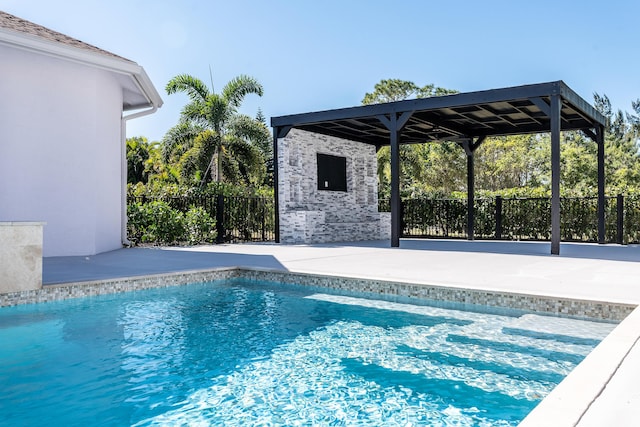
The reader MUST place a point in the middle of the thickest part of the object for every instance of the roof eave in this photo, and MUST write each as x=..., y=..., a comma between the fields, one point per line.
x=81, y=56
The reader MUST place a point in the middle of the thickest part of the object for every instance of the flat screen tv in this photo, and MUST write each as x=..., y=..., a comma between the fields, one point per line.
x=332, y=172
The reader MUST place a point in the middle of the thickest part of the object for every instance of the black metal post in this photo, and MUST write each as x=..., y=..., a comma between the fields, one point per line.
x=264, y=220
x=555, y=110
x=620, y=219
x=470, y=196
x=403, y=223
x=276, y=225
x=395, y=182
x=220, y=218
x=395, y=125
x=498, y=218
x=601, y=185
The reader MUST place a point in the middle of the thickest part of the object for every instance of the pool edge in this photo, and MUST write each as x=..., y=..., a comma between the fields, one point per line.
x=552, y=305
x=570, y=402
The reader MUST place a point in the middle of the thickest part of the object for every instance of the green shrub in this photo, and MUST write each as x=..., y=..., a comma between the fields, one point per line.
x=137, y=222
x=155, y=222
x=158, y=223
x=164, y=224
x=200, y=227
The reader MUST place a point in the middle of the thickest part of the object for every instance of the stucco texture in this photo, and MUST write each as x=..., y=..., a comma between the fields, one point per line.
x=60, y=151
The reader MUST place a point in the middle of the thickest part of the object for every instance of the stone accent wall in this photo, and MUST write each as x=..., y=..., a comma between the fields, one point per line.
x=20, y=256
x=309, y=215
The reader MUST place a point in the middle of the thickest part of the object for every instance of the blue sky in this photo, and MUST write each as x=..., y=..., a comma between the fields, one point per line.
x=317, y=55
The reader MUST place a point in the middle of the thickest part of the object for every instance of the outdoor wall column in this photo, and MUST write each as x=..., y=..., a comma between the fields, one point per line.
x=555, y=110
x=601, y=184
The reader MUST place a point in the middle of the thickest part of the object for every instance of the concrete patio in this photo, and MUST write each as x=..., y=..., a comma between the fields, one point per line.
x=583, y=271
x=603, y=390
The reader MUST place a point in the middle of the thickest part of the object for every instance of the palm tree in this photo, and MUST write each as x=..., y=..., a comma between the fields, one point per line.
x=213, y=141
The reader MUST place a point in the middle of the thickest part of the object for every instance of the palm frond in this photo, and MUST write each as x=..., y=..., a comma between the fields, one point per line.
x=250, y=160
x=192, y=86
x=195, y=111
x=239, y=87
x=217, y=112
x=181, y=134
x=247, y=127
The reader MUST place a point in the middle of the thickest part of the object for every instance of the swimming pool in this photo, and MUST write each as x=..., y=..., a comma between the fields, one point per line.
x=246, y=353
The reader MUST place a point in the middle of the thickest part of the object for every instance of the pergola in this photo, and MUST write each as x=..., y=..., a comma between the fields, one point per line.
x=468, y=119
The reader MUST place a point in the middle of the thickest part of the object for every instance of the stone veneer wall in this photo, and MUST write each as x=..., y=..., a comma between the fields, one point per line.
x=309, y=215
x=20, y=256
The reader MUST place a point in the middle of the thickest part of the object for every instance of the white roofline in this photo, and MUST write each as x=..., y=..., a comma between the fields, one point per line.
x=86, y=57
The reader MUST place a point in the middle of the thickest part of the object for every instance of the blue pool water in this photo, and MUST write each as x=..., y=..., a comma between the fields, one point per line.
x=235, y=353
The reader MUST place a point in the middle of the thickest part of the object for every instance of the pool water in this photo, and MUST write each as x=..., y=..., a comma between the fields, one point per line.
x=240, y=353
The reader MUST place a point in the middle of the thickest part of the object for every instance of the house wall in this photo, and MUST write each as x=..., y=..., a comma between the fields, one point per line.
x=60, y=151
x=309, y=215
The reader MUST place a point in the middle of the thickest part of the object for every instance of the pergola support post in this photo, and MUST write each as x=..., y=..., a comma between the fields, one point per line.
x=470, y=196
x=469, y=148
x=555, y=109
x=276, y=222
x=278, y=132
x=395, y=183
x=601, y=184
x=395, y=124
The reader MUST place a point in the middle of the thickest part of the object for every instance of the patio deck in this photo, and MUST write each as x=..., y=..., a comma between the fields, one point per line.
x=604, y=390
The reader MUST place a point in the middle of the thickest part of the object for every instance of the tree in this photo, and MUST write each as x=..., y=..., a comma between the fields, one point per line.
x=412, y=165
x=137, y=157
x=622, y=158
x=390, y=90
x=510, y=162
x=265, y=144
x=213, y=141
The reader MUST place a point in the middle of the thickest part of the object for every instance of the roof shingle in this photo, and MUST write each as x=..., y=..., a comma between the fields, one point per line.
x=19, y=25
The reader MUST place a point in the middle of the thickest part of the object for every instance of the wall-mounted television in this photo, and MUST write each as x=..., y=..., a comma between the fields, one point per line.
x=332, y=172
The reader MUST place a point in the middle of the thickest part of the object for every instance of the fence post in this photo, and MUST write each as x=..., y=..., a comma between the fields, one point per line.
x=264, y=213
x=498, y=217
x=220, y=218
x=402, y=220
x=620, y=219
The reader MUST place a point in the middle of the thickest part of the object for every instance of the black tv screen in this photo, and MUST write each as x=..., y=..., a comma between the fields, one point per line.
x=332, y=172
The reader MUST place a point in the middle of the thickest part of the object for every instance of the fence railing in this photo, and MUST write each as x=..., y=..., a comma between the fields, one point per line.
x=521, y=218
x=253, y=218
x=238, y=219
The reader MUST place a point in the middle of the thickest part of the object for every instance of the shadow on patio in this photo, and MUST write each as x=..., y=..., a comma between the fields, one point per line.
x=144, y=261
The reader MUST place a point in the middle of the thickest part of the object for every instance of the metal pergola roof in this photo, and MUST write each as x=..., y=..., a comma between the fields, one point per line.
x=507, y=111
x=466, y=118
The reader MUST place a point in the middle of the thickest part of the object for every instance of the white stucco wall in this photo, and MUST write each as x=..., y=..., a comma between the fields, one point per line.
x=60, y=151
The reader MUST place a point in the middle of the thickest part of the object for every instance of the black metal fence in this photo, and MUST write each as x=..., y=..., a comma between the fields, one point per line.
x=241, y=219
x=238, y=219
x=521, y=218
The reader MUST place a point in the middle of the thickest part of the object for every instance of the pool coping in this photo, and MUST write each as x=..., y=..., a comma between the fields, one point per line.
x=566, y=405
